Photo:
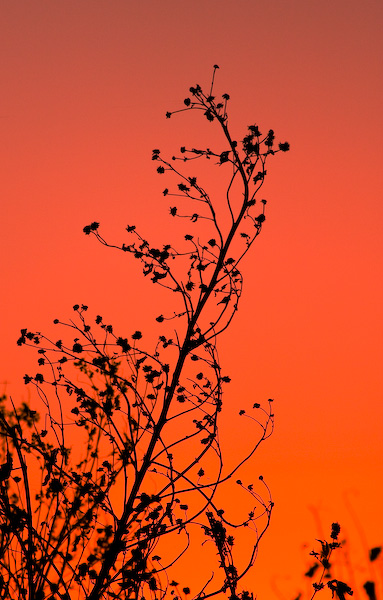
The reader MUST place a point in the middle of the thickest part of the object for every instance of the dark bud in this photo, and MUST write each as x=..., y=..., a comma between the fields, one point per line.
x=254, y=130
x=92, y=227
x=339, y=588
x=259, y=176
x=224, y=157
x=22, y=338
x=123, y=342
x=285, y=147
x=269, y=141
x=335, y=530
x=187, y=101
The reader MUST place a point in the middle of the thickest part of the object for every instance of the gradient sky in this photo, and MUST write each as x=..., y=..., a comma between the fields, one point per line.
x=85, y=86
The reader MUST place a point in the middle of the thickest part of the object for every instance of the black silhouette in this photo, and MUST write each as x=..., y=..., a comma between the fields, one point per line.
x=127, y=468
x=327, y=564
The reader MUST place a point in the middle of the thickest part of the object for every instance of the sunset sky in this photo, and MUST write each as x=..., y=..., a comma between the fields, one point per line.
x=85, y=88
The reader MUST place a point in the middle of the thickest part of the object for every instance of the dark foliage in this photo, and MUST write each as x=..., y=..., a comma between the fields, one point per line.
x=103, y=493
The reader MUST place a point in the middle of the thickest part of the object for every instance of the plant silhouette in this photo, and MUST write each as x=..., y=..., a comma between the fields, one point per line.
x=104, y=489
x=326, y=564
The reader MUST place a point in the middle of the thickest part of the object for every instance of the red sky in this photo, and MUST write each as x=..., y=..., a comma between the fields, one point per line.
x=85, y=86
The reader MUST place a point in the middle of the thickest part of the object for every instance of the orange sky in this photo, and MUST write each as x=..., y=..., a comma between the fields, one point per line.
x=85, y=86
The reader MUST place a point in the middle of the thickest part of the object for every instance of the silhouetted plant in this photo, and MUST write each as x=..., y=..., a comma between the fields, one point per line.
x=103, y=502
x=326, y=564
x=322, y=562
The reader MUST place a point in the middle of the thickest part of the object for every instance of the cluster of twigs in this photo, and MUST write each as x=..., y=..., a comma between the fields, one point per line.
x=100, y=495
